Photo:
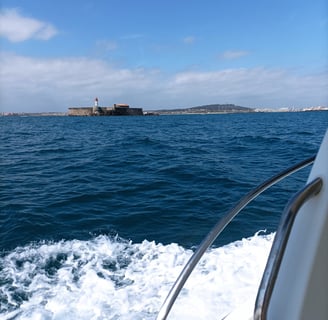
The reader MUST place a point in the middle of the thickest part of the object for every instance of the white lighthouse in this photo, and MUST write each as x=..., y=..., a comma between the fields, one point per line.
x=96, y=108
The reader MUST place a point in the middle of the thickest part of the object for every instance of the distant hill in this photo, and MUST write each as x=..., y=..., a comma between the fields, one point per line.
x=210, y=108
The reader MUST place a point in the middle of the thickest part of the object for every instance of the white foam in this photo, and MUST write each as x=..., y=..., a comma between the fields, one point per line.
x=107, y=278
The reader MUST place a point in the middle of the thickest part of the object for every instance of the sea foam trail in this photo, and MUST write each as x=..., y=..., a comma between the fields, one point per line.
x=110, y=278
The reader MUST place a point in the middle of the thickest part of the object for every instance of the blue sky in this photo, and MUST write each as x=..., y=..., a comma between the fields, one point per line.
x=162, y=54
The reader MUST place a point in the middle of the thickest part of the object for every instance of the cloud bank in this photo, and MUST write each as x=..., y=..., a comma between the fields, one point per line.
x=17, y=28
x=39, y=85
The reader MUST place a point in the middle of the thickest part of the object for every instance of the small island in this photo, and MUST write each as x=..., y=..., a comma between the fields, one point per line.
x=96, y=110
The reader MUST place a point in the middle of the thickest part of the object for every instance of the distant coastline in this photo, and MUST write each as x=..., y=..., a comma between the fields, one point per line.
x=231, y=108
x=204, y=109
x=207, y=109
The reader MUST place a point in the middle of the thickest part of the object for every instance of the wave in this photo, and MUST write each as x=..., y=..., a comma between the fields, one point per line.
x=112, y=278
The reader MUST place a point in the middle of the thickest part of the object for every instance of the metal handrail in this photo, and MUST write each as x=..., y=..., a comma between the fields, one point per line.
x=279, y=245
x=217, y=229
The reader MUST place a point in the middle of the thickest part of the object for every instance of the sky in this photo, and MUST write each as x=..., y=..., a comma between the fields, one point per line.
x=159, y=54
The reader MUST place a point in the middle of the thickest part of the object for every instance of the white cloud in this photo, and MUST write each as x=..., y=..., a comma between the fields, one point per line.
x=231, y=55
x=30, y=84
x=189, y=40
x=17, y=28
x=252, y=87
x=106, y=45
x=133, y=36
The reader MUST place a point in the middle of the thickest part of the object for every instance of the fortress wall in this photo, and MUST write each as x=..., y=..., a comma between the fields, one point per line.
x=80, y=111
x=105, y=111
x=127, y=112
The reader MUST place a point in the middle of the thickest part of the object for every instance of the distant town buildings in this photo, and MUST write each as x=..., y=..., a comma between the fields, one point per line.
x=291, y=109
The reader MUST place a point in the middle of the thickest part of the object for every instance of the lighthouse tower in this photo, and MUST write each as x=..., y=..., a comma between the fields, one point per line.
x=96, y=108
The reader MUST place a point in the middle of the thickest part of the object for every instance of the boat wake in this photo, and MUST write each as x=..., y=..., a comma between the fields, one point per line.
x=111, y=278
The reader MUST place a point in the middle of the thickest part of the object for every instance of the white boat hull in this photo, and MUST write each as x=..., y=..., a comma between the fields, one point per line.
x=301, y=288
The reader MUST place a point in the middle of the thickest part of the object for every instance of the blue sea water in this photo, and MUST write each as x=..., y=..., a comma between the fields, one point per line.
x=98, y=214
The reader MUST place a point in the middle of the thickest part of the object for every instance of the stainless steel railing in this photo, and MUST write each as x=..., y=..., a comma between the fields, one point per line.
x=217, y=229
x=279, y=245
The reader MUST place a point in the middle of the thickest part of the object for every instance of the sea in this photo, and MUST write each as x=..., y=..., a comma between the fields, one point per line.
x=98, y=215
